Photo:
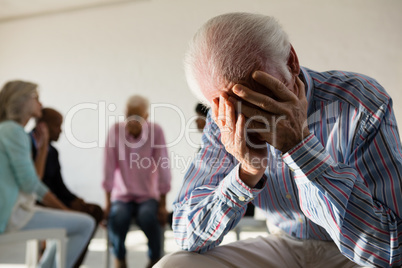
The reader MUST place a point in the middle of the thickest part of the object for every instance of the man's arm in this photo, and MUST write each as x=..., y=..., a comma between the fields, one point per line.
x=213, y=198
x=164, y=174
x=162, y=211
x=110, y=165
x=356, y=197
x=106, y=210
x=357, y=201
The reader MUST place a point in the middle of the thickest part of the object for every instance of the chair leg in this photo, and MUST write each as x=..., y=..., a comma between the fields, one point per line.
x=32, y=251
x=163, y=241
x=107, y=253
x=61, y=253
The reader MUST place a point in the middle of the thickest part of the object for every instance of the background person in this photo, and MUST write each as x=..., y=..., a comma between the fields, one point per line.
x=137, y=179
x=201, y=110
x=20, y=184
x=318, y=152
x=47, y=161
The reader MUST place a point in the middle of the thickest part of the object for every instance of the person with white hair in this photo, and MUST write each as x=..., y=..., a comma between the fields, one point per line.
x=20, y=184
x=318, y=152
x=136, y=180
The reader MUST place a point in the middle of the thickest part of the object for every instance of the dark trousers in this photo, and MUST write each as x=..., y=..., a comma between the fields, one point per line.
x=145, y=214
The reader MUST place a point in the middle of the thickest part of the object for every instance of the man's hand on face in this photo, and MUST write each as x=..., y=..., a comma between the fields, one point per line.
x=281, y=120
x=253, y=159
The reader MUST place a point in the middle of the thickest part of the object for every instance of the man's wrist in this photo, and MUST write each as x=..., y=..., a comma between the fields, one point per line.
x=250, y=178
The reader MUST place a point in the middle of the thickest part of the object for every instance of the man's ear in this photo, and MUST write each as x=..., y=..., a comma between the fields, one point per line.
x=146, y=116
x=293, y=62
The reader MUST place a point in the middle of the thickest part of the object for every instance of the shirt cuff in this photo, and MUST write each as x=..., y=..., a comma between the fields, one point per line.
x=308, y=159
x=234, y=192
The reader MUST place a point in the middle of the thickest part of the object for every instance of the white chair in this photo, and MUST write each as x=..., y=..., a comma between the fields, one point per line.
x=32, y=238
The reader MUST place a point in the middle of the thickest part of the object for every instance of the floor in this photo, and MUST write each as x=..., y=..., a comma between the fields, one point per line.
x=13, y=256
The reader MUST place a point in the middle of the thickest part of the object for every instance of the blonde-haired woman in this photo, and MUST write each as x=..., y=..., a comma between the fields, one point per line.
x=19, y=182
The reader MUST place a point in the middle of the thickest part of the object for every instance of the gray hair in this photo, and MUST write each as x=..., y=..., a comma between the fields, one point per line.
x=13, y=98
x=229, y=47
x=137, y=101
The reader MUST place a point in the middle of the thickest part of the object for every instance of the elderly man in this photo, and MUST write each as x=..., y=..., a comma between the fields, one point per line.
x=137, y=179
x=318, y=152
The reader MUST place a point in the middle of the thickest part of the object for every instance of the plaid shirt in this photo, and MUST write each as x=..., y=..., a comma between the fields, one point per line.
x=342, y=183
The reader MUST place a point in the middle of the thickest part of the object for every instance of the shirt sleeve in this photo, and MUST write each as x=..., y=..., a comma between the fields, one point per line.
x=19, y=153
x=358, y=201
x=110, y=158
x=160, y=155
x=212, y=199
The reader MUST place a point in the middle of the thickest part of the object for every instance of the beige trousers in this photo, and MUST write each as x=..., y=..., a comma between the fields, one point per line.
x=276, y=250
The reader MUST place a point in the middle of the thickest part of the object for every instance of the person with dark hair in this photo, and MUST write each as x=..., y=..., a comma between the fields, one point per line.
x=318, y=152
x=20, y=184
x=47, y=162
x=202, y=112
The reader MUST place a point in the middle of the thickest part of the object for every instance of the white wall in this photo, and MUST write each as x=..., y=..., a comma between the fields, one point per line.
x=105, y=54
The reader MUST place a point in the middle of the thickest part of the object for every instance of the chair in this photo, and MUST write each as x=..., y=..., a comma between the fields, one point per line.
x=32, y=248
x=133, y=227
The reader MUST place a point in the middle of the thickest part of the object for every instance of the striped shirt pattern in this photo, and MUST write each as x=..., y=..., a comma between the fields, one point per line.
x=342, y=183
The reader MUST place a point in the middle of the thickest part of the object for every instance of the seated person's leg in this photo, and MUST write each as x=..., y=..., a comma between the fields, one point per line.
x=254, y=252
x=274, y=251
x=147, y=220
x=92, y=209
x=48, y=258
x=79, y=228
x=118, y=225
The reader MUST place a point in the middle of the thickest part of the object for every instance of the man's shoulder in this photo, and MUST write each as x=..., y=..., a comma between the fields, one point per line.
x=356, y=89
x=155, y=127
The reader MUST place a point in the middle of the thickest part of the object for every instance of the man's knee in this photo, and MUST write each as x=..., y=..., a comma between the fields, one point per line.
x=176, y=259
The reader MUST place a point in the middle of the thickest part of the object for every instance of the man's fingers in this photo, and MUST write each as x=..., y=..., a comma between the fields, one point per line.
x=262, y=101
x=230, y=116
x=240, y=143
x=301, y=87
x=274, y=85
x=254, y=113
